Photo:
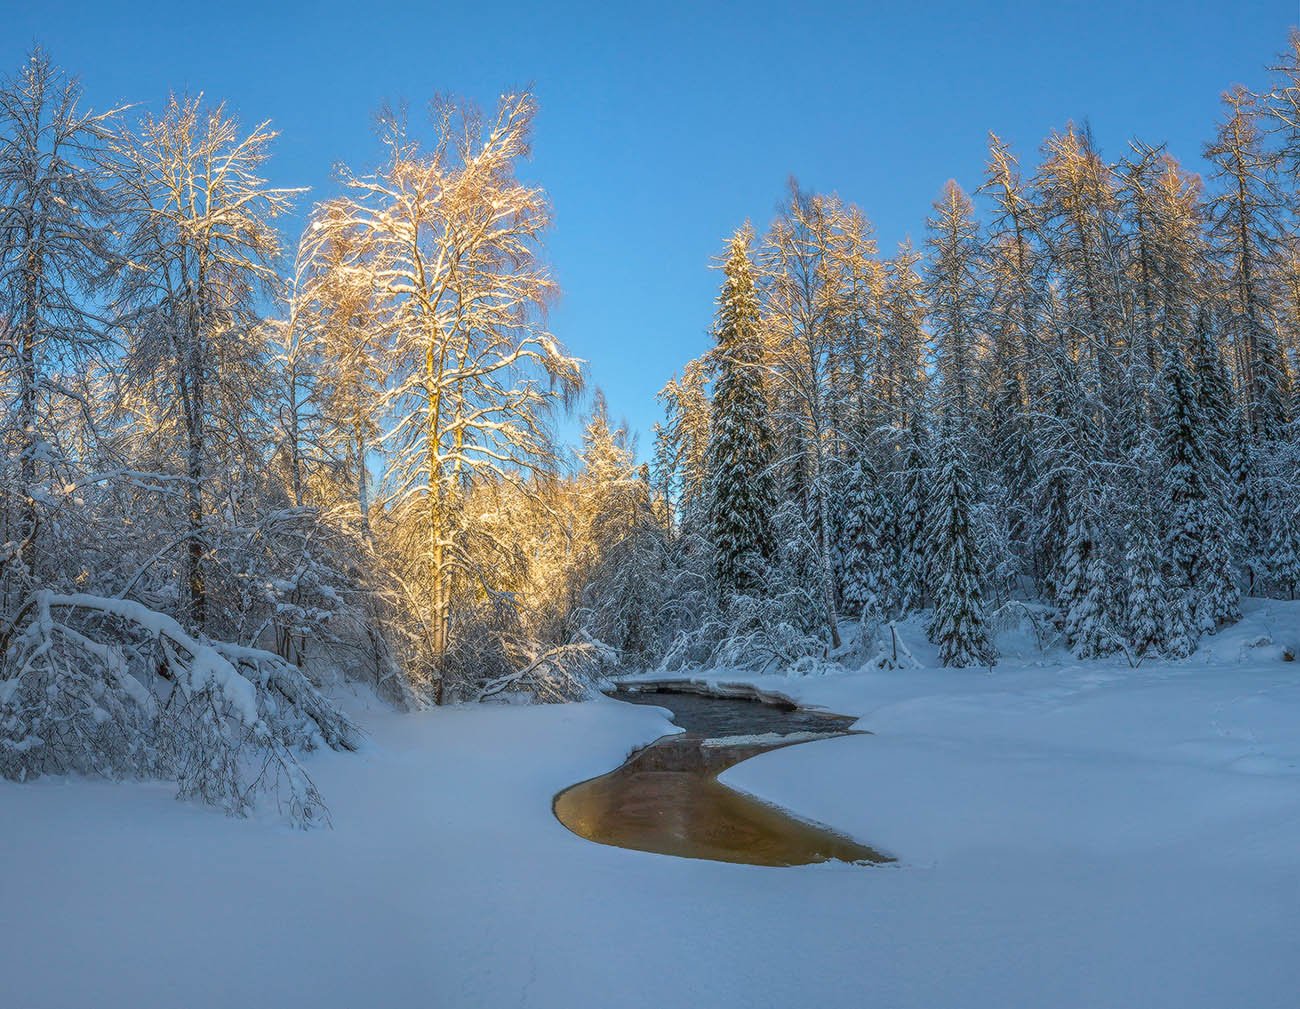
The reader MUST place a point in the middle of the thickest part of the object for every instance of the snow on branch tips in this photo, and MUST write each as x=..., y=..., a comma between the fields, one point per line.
x=109, y=687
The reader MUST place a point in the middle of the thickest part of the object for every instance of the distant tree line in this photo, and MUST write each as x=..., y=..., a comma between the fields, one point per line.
x=1085, y=396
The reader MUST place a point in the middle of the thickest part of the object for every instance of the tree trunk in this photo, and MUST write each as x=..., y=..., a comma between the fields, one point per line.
x=29, y=334
x=363, y=498
x=198, y=594
x=437, y=556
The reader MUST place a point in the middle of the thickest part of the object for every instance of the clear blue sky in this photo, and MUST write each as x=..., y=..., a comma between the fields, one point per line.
x=664, y=126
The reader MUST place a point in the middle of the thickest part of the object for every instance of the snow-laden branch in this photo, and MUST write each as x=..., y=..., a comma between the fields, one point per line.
x=135, y=693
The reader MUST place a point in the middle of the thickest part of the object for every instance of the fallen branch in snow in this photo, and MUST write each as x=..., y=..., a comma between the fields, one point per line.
x=565, y=673
x=138, y=695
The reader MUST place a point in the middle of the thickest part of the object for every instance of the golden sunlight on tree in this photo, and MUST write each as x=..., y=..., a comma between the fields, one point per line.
x=450, y=241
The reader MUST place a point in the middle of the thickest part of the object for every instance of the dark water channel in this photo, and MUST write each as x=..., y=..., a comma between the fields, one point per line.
x=666, y=797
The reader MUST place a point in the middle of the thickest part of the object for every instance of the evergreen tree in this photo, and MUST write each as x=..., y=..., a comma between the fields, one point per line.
x=1146, y=590
x=682, y=450
x=1284, y=552
x=1195, y=547
x=1180, y=622
x=1059, y=454
x=741, y=493
x=958, y=623
x=1245, y=501
x=1218, y=600
x=1214, y=401
x=913, y=562
x=953, y=286
x=1012, y=447
x=1083, y=596
x=865, y=518
x=1185, y=487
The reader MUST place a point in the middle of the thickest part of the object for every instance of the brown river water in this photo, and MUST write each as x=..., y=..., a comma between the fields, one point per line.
x=666, y=797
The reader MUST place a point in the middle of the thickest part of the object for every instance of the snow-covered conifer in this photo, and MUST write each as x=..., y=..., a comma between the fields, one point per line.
x=1246, y=502
x=1146, y=590
x=958, y=623
x=1214, y=400
x=864, y=532
x=1084, y=594
x=1196, y=537
x=914, y=561
x=1219, y=597
x=1283, y=556
x=1184, y=476
x=741, y=495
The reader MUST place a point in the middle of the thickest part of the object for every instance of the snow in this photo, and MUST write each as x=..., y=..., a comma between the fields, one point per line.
x=207, y=665
x=1070, y=834
x=764, y=739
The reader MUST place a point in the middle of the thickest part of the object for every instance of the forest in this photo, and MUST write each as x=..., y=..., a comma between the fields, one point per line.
x=240, y=464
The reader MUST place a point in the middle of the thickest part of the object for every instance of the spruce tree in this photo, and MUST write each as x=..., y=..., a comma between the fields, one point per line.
x=1284, y=553
x=1083, y=594
x=1218, y=599
x=1013, y=449
x=741, y=497
x=864, y=529
x=1146, y=590
x=1213, y=400
x=1180, y=639
x=1195, y=544
x=1245, y=501
x=1185, y=489
x=913, y=548
x=1057, y=455
x=958, y=624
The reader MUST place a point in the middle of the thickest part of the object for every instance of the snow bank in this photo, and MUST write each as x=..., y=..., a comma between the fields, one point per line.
x=1070, y=835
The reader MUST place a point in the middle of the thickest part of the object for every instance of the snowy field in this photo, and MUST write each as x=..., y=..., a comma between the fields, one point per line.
x=1069, y=835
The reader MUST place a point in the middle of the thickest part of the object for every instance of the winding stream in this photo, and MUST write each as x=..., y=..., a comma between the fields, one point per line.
x=666, y=797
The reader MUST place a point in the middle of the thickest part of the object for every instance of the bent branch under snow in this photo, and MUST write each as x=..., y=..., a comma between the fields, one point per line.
x=108, y=686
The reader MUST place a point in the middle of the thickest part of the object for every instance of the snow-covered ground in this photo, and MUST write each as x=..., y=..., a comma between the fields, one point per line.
x=1069, y=834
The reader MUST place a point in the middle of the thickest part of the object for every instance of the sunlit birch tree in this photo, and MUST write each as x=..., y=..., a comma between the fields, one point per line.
x=453, y=239
x=200, y=248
